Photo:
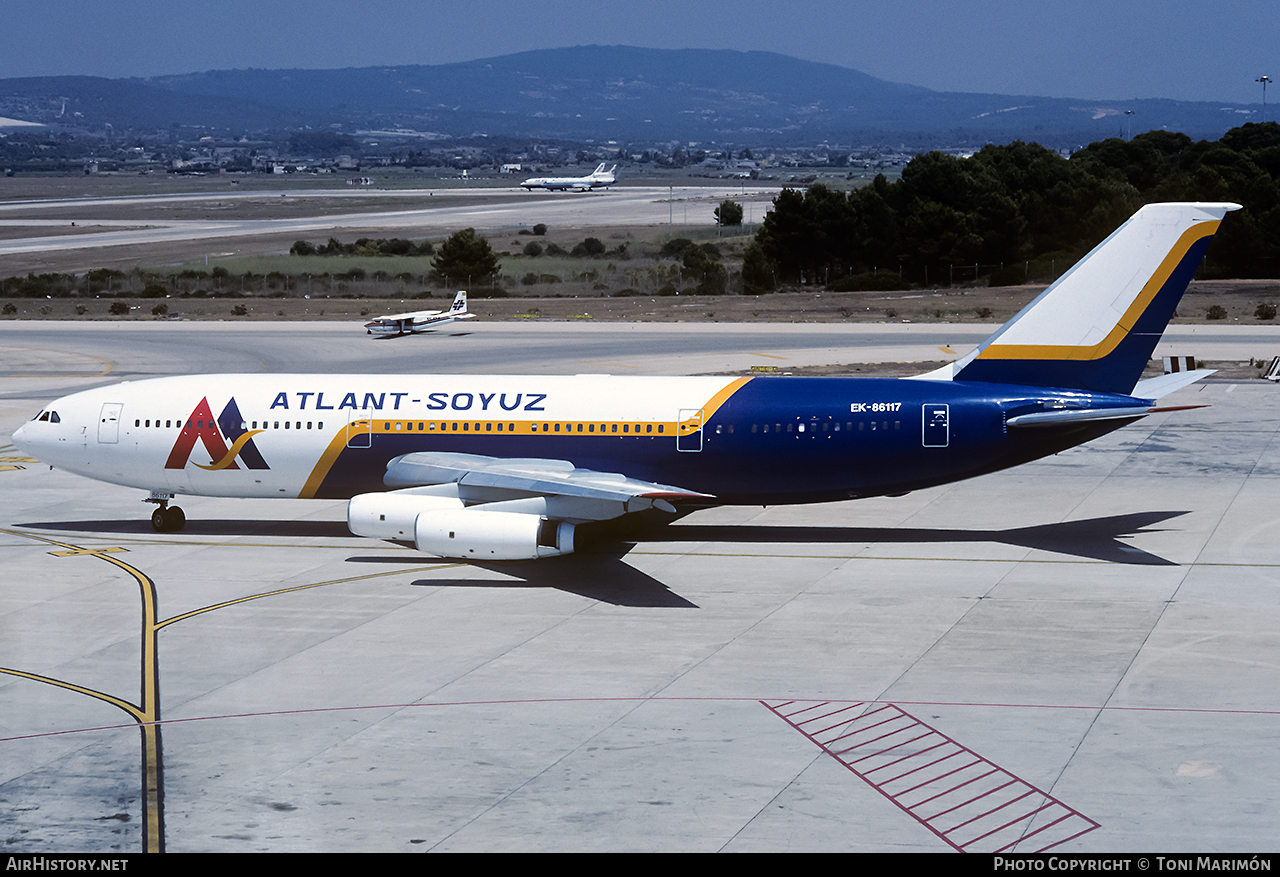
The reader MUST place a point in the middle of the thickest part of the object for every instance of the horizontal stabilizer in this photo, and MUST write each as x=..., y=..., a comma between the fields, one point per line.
x=1071, y=416
x=1159, y=387
x=1067, y=416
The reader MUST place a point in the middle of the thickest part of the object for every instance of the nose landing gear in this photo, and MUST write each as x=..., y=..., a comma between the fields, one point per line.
x=165, y=519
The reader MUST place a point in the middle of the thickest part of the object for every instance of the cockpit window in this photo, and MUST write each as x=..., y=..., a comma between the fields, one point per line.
x=44, y=416
x=54, y=418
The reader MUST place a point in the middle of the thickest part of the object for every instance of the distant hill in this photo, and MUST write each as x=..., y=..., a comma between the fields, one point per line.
x=604, y=93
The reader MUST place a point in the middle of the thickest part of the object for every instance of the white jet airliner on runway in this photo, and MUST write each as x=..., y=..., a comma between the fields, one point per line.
x=597, y=179
x=503, y=467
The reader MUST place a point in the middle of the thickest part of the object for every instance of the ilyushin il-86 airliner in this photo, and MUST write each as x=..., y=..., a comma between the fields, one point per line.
x=504, y=468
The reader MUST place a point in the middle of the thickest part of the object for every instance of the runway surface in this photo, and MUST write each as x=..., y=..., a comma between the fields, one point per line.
x=1079, y=654
x=483, y=209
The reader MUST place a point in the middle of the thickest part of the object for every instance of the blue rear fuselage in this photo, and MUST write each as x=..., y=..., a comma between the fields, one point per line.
x=781, y=440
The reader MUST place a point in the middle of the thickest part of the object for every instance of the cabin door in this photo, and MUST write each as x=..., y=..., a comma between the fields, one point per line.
x=937, y=426
x=689, y=429
x=359, y=430
x=109, y=423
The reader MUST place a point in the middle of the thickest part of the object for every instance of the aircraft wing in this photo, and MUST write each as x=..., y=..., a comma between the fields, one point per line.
x=565, y=491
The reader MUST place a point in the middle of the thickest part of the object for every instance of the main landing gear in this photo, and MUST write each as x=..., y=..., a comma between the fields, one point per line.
x=165, y=519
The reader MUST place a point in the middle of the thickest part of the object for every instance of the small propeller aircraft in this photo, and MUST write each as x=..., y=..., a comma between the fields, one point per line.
x=419, y=321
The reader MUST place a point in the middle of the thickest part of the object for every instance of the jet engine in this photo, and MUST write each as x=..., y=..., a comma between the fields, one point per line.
x=475, y=534
x=391, y=515
x=444, y=526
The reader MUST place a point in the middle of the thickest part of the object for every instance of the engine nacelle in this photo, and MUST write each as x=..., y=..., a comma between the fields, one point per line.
x=391, y=515
x=475, y=534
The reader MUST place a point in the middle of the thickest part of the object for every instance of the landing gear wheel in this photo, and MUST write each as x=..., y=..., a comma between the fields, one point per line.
x=168, y=520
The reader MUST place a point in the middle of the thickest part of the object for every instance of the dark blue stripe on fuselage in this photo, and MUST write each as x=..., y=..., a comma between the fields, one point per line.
x=826, y=439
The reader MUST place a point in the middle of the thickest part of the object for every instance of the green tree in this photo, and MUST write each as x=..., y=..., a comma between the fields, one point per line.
x=757, y=272
x=729, y=213
x=463, y=255
x=709, y=277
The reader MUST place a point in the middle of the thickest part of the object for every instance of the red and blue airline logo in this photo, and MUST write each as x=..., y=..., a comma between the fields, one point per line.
x=201, y=426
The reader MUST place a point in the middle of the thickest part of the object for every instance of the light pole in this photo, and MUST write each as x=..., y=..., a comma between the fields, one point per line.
x=1129, y=121
x=1264, y=80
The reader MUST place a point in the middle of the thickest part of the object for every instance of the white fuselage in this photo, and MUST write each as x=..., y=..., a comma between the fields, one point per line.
x=180, y=434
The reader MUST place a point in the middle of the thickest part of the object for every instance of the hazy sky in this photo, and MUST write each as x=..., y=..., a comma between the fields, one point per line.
x=1064, y=48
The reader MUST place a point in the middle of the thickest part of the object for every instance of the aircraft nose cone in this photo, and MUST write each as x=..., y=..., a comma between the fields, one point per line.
x=19, y=435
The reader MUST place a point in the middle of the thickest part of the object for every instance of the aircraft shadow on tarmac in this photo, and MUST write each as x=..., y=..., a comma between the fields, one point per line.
x=599, y=572
x=1093, y=538
x=201, y=527
x=599, y=575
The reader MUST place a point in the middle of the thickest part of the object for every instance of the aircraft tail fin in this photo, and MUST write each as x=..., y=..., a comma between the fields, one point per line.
x=1096, y=327
x=459, y=303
